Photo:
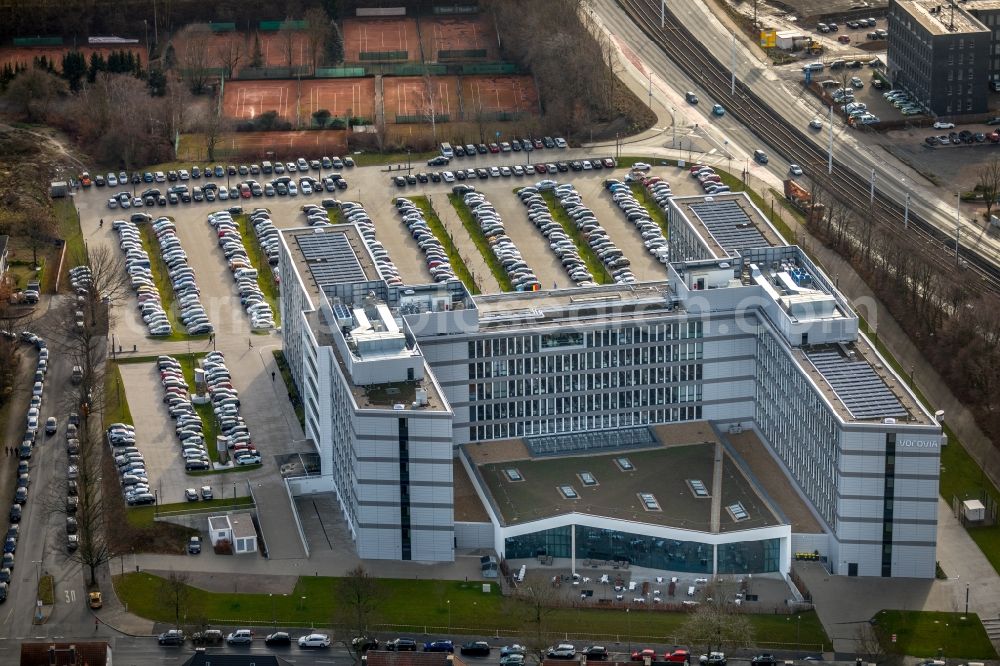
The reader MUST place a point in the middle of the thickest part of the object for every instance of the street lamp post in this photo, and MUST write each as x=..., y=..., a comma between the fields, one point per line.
x=274, y=617
x=673, y=127
x=449, y=615
x=628, y=622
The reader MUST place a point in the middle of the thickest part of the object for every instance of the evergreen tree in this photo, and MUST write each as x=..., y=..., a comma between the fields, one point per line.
x=97, y=64
x=74, y=67
x=157, y=82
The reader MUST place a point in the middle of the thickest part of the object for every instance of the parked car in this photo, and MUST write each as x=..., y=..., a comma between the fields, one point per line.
x=314, y=641
x=439, y=646
x=401, y=645
x=278, y=638
x=240, y=637
x=561, y=651
x=595, y=653
x=171, y=637
x=713, y=659
x=476, y=649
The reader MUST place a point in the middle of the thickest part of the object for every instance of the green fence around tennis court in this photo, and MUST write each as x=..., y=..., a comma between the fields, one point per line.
x=222, y=27
x=274, y=26
x=422, y=118
x=302, y=71
x=491, y=68
x=339, y=72
x=376, y=56
x=38, y=41
x=460, y=54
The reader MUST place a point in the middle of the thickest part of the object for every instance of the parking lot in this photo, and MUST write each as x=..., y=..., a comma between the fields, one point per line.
x=264, y=403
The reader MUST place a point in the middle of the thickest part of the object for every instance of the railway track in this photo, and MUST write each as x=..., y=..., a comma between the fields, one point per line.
x=847, y=186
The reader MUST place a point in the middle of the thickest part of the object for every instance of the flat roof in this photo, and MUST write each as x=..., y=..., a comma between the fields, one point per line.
x=329, y=255
x=950, y=20
x=728, y=222
x=242, y=526
x=515, y=309
x=858, y=384
x=468, y=507
x=982, y=5
x=602, y=485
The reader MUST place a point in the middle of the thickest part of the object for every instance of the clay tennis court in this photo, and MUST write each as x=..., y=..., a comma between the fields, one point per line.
x=499, y=94
x=380, y=35
x=409, y=96
x=274, y=47
x=12, y=55
x=279, y=144
x=341, y=97
x=443, y=34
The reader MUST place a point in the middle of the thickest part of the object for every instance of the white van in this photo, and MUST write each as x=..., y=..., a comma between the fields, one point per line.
x=447, y=151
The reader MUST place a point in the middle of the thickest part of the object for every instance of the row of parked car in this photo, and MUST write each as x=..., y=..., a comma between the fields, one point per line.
x=437, y=259
x=218, y=171
x=191, y=312
x=140, y=273
x=225, y=399
x=23, y=467
x=131, y=464
x=188, y=425
x=355, y=213
x=652, y=235
x=613, y=258
x=518, y=272
x=244, y=273
x=710, y=181
x=560, y=243
x=514, y=145
x=965, y=136
x=503, y=171
x=176, y=637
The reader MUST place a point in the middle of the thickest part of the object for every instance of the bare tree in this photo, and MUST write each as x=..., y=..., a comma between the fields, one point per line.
x=532, y=605
x=871, y=642
x=230, y=53
x=38, y=227
x=194, y=57
x=989, y=184
x=318, y=34
x=85, y=346
x=287, y=36
x=33, y=91
x=212, y=126
x=360, y=596
x=717, y=624
x=175, y=594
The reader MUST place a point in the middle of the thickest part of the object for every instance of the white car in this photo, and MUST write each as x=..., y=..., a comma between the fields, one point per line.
x=641, y=166
x=816, y=123
x=943, y=125
x=314, y=641
x=795, y=169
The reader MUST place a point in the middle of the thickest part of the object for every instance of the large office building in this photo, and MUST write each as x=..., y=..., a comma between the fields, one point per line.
x=722, y=419
x=941, y=54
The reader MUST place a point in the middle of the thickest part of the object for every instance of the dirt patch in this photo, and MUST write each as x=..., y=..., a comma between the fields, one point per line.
x=367, y=41
x=447, y=39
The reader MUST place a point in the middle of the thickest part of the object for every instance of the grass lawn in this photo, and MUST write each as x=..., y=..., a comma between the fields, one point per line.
x=161, y=281
x=265, y=278
x=208, y=424
x=594, y=264
x=655, y=212
x=437, y=228
x=21, y=272
x=69, y=231
x=922, y=634
x=476, y=234
x=293, y=393
x=115, y=401
x=411, y=605
x=375, y=159
x=47, y=590
x=141, y=516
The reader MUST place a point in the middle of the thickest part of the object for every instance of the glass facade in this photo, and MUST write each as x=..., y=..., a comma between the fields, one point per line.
x=550, y=383
x=646, y=551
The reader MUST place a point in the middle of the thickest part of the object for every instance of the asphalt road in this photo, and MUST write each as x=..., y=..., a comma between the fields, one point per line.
x=892, y=178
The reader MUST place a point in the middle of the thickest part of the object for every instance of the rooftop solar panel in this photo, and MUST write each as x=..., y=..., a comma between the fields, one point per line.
x=857, y=385
x=729, y=224
x=330, y=258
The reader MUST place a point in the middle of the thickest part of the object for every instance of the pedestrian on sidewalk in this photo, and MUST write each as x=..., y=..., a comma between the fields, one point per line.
x=272, y=375
x=250, y=342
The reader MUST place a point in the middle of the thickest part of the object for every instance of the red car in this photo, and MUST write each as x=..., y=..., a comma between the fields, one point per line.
x=678, y=657
x=643, y=654
x=494, y=148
